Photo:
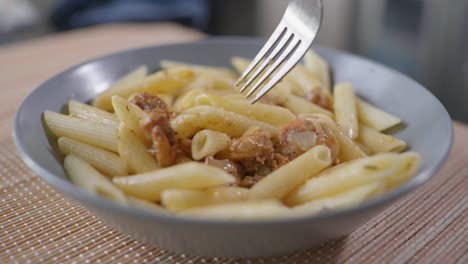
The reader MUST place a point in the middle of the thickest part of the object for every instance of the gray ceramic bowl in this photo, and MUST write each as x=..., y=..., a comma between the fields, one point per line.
x=429, y=132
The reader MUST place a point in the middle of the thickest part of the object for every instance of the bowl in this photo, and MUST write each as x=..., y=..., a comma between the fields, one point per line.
x=428, y=131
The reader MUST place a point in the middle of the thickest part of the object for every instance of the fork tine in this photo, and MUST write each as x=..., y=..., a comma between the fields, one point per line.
x=292, y=61
x=291, y=47
x=272, y=41
x=287, y=37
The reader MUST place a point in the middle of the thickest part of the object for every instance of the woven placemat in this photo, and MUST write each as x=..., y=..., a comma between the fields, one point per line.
x=39, y=225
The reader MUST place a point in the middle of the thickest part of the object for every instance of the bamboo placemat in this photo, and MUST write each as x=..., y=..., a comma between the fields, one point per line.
x=39, y=225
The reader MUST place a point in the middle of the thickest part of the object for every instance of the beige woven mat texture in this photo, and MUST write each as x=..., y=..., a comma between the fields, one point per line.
x=39, y=225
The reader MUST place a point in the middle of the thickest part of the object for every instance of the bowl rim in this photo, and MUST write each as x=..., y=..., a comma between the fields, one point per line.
x=69, y=189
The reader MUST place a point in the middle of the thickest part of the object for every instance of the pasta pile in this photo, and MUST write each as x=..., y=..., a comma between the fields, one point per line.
x=184, y=140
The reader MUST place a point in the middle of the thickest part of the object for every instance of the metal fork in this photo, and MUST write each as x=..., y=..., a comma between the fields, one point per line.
x=287, y=45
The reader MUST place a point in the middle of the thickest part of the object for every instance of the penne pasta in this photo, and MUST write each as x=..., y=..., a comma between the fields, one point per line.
x=104, y=161
x=340, y=201
x=192, y=175
x=288, y=177
x=271, y=114
x=88, y=112
x=187, y=100
x=299, y=105
x=207, y=143
x=411, y=164
x=178, y=200
x=377, y=142
x=345, y=110
x=168, y=64
x=348, y=148
x=198, y=118
x=85, y=176
x=170, y=81
x=240, y=211
x=376, y=118
x=129, y=114
x=103, y=101
x=315, y=64
x=304, y=80
x=134, y=152
x=191, y=157
x=82, y=130
x=167, y=98
x=348, y=176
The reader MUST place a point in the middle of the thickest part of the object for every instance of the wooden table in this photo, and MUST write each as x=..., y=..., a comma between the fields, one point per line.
x=39, y=225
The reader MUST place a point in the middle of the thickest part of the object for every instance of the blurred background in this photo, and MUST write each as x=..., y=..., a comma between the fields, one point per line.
x=425, y=39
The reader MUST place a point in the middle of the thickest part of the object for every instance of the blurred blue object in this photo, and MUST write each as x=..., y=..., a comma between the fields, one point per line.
x=69, y=14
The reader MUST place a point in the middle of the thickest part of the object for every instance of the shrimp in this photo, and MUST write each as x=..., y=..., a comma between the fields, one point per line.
x=300, y=135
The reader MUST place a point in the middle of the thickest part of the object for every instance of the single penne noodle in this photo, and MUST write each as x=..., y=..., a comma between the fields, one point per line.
x=168, y=64
x=348, y=148
x=249, y=210
x=187, y=100
x=198, y=118
x=340, y=201
x=207, y=143
x=104, y=161
x=304, y=79
x=363, y=148
x=377, y=142
x=299, y=105
x=191, y=175
x=103, y=100
x=85, y=111
x=345, y=177
x=374, y=117
x=220, y=83
x=82, y=130
x=134, y=152
x=411, y=164
x=290, y=176
x=317, y=65
x=85, y=176
x=346, y=110
x=128, y=113
x=178, y=200
x=170, y=81
x=273, y=115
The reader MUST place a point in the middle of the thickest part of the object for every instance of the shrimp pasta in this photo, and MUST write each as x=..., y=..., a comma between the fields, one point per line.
x=184, y=141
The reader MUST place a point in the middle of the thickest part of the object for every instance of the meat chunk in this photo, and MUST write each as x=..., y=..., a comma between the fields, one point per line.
x=255, y=153
x=156, y=128
x=255, y=144
x=250, y=181
x=300, y=135
x=151, y=102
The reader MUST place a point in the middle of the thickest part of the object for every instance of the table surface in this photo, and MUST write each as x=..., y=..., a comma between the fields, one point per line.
x=38, y=224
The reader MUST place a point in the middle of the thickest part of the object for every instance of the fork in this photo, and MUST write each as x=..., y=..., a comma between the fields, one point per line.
x=287, y=45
